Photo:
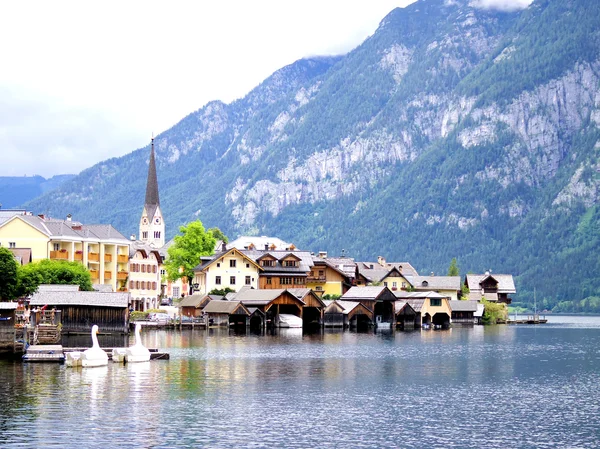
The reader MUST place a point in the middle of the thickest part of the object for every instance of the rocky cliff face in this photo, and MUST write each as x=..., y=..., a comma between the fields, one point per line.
x=452, y=131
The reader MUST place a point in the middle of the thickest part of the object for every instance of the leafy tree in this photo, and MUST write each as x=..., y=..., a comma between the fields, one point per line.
x=332, y=297
x=8, y=275
x=221, y=291
x=493, y=311
x=218, y=234
x=453, y=268
x=184, y=255
x=53, y=272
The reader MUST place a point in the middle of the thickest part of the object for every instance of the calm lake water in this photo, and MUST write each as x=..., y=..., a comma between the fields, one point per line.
x=500, y=386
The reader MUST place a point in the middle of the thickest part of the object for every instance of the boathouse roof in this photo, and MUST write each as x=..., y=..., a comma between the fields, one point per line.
x=77, y=298
x=463, y=306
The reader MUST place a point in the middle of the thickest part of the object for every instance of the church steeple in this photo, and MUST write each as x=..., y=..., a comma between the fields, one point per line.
x=152, y=227
x=152, y=198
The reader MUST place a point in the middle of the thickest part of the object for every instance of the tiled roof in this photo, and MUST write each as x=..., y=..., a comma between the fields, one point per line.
x=348, y=306
x=435, y=282
x=463, y=306
x=416, y=304
x=218, y=306
x=369, y=292
x=375, y=271
x=304, y=266
x=506, y=282
x=400, y=294
x=345, y=264
x=70, y=298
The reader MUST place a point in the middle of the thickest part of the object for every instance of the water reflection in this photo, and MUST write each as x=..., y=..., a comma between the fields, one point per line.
x=463, y=387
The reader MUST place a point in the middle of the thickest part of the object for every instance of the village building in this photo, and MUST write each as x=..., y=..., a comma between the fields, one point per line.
x=463, y=312
x=80, y=310
x=378, y=299
x=431, y=308
x=232, y=269
x=347, y=314
x=391, y=275
x=227, y=313
x=448, y=286
x=100, y=248
x=193, y=305
x=325, y=278
x=495, y=287
x=144, y=279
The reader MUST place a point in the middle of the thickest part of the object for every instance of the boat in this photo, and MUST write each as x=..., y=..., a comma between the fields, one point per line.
x=138, y=352
x=94, y=356
x=287, y=320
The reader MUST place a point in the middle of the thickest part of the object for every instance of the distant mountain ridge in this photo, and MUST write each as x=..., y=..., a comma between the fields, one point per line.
x=452, y=131
x=16, y=190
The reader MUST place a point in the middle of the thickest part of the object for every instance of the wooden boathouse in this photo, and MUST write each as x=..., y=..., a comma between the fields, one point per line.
x=81, y=310
x=352, y=314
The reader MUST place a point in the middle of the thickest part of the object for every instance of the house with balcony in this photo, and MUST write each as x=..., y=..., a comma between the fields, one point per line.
x=496, y=287
x=231, y=268
x=448, y=286
x=391, y=275
x=325, y=278
x=100, y=248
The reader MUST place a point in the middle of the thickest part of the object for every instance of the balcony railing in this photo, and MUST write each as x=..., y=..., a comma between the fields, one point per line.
x=94, y=274
x=107, y=275
x=122, y=258
x=122, y=275
x=93, y=257
x=316, y=278
x=59, y=255
x=78, y=255
x=108, y=258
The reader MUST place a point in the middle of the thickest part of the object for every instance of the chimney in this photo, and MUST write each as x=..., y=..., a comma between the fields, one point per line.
x=42, y=216
x=432, y=274
x=224, y=246
x=266, y=247
x=69, y=217
x=132, y=237
x=323, y=254
x=381, y=261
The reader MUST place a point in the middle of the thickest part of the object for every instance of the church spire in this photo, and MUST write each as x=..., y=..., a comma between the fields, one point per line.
x=152, y=198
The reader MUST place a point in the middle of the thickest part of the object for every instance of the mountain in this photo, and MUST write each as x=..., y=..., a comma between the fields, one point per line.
x=16, y=190
x=453, y=131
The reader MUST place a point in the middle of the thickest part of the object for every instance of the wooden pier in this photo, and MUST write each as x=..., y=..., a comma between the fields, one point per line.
x=44, y=353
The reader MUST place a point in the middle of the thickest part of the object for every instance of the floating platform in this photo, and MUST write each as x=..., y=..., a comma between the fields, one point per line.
x=44, y=353
x=154, y=354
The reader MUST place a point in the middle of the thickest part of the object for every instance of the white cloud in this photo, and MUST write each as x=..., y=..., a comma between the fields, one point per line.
x=89, y=80
x=502, y=5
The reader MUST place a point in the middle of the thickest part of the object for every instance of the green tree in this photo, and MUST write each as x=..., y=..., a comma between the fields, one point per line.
x=9, y=279
x=184, y=255
x=453, y=268
x=221, y=291
x=218, y=234
x=53, y=272
x=493, y=311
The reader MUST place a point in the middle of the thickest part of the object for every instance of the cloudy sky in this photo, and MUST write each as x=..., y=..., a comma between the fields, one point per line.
x=84, y=81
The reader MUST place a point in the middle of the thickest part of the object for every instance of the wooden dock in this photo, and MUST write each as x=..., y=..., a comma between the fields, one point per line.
x=531, y=319
x=44, y=353
x=154, y=354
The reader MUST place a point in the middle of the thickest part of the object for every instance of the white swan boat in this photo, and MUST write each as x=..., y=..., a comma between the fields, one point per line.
x=94, y=356
x=138, y=352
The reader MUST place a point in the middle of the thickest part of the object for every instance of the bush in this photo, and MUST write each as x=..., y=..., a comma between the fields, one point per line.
x=493, y=312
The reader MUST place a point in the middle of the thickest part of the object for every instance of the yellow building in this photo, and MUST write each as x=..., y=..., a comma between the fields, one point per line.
x=325, y=278
x=101, y=248
x=230, y=269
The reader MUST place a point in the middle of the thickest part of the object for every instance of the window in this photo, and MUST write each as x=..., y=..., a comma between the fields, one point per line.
x=56, y=246
x=247, y=280
x=137, y=285
x=154, y=286
x=285, y=281
x=218, y=280
x=269, y=281
x=156, y=234
x=131, y=285
x=143, y=285
x=394, y=284
x=145, y=235
x=232, y=280
x=143, y=268
x=299, y=281
x=163, y=272
x=289, y=263
x=267, y=263
x=435, y=302
x=14, y=245
x=232, y=263
x=247, y=265
x=218, y=265
x=321, y=273
x=154, y=268
x=175, y=292
x=319, y=288
x=385, y=284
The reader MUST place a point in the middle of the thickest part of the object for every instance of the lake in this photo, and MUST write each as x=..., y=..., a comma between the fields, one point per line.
x=498, y=386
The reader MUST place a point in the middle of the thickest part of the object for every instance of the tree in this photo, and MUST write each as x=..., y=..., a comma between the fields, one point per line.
x=453, y=268
x=184, y=255
x=218, y=235
x=221, y=291
x=53, y=272
x=9, y=279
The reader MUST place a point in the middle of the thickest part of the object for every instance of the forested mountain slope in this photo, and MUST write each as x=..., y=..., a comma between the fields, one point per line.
x=453, y=131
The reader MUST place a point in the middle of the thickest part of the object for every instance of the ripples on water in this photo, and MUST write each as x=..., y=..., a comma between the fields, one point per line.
x=502, y=386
